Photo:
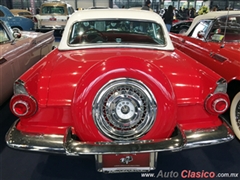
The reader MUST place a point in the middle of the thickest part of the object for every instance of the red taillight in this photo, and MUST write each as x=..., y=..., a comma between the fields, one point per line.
x=23, y=105
x=35, y=19
x=175, y=20
x=52, y=19
x=217, y=103
x=20, y=108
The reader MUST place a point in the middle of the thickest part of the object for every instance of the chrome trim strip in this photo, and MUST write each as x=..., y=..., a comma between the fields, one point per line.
x=126, y=170
x=19, y=87
x=117, y=45
x=221, y=86
x=67, y=145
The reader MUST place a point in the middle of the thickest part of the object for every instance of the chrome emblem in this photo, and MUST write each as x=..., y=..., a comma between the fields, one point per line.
x=126, y=160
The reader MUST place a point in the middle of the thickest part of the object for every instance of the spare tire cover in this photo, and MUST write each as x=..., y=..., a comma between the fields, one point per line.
x=124, y=98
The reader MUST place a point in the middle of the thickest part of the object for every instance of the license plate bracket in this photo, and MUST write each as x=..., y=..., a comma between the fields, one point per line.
x=118, y=163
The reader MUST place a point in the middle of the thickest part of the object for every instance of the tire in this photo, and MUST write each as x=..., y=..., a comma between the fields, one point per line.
x=133, y=81
x=235, y=114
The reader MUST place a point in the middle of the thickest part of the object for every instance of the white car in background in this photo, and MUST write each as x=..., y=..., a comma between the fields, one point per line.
x=53, y=15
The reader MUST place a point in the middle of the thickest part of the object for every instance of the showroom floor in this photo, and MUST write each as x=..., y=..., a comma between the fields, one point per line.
x=219, y=160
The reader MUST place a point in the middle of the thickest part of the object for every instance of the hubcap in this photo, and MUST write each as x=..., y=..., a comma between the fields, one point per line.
x=124, y=109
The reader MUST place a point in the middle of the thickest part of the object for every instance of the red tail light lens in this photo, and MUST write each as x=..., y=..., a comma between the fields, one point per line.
x=217, y=103
x=52, y=19
x=20, y=108
x=23, y=105
x=35, y=19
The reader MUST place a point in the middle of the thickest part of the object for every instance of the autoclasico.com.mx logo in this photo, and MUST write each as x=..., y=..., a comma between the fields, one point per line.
x=189, y=174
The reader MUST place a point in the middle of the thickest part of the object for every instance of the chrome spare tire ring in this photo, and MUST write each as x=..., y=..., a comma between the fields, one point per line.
x=124, y=109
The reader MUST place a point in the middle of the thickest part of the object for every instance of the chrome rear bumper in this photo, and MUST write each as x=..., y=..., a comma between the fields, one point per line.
x=69, y=146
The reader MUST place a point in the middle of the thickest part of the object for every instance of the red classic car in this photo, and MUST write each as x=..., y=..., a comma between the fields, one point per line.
x=213, y=39
x=18, y=52
x=122, y=94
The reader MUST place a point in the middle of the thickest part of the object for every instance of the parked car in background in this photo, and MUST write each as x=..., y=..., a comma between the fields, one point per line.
x=177, y=16
x=22, y=23
x=214, y=40
x=18, y=52
x=22, y=12
x=181, y=26
x=180, y=17
x=121, y=94
x=53, y=15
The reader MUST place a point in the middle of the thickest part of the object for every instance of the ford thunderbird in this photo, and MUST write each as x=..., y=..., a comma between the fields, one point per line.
x=116, y=88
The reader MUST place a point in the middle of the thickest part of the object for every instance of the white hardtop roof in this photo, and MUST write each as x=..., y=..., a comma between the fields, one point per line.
x=96, y=14
x=210, y=15
x=116, y=13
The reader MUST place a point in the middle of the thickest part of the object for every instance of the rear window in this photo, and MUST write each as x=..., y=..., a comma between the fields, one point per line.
x=116, y=31
x=53, y=9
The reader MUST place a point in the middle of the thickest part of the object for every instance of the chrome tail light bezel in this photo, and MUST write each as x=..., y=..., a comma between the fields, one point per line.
x=22, y=98
x=28, y=102
x=218, y=96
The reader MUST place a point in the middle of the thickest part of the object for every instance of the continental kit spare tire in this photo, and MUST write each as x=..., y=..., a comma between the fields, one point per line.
x=124, y=98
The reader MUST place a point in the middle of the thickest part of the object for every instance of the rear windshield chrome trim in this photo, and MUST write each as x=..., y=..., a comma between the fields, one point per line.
x=116, y=45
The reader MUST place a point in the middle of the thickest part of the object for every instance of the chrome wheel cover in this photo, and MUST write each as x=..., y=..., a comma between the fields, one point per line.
x=124, y=109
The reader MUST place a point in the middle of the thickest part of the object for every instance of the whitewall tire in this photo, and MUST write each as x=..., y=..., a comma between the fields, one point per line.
x=235, y=115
